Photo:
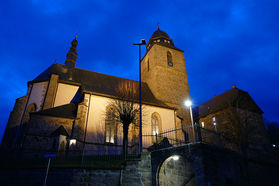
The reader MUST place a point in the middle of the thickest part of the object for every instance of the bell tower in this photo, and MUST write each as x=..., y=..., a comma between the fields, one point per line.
x=164, y=70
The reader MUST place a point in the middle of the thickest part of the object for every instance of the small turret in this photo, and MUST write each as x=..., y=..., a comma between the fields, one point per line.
x=72, y=55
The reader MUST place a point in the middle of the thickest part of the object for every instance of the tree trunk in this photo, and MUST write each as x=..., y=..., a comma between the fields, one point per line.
x=125, y=140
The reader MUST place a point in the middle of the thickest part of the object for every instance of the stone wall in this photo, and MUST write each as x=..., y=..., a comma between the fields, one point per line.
x=213, y=165
x=138, y=172
x=200, y=164
x=13, y=123
x=168, y=84
x=37, y=136
x=61, y=177
x=176, y=171
x=133, y=173
x=51, y=91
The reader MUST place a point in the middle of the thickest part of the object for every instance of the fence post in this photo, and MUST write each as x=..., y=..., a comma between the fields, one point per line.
x=186, y=137
x=156, y=140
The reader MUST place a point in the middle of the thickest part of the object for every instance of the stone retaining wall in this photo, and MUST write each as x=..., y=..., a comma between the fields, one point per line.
x=134, y=173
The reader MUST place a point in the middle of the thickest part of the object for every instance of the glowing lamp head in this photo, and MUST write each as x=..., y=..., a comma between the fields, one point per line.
x=175, y=157
x=73, y=142
x=188, y=103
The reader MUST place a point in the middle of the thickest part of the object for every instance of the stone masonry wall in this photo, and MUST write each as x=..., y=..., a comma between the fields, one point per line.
x=134, y=173
x=138, y=172
x=210, y=165
x=168, y=84
x=39, y=129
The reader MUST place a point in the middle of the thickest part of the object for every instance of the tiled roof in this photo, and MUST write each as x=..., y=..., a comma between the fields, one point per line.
x=234, y=97
x=64, y=111
x=96, y=82
x=60, y=131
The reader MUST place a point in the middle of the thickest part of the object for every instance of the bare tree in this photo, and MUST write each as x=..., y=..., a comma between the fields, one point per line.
x=126, y=108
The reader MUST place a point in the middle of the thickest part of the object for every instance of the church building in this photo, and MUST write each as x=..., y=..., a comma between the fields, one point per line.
x=66, y=107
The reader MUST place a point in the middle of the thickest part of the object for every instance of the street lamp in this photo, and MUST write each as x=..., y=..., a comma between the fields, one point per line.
x=142, y=42
x=175, y=157
x=73, y=142
x=188, y=103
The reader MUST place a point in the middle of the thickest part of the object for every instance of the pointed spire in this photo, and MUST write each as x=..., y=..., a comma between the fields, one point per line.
x=72, y=55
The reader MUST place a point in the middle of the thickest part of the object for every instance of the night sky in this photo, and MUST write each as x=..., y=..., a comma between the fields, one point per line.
x=225, y=43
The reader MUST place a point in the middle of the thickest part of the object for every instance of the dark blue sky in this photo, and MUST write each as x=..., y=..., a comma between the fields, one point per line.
x=225, y=43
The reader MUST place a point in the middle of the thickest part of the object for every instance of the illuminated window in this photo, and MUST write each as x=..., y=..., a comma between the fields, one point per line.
x=109, y=133
x=202, y=124
x=110, y=125
x=214, y=121
x=156, y=125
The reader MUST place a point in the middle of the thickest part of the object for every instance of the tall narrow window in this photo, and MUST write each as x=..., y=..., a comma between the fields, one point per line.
x=202, y=124
x=110, y=126
x=214, y=121
x=147, y=65
x=169, y=59
x=156, y=126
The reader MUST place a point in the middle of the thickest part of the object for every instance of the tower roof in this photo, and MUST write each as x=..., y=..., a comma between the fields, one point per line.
x=159, y=37
x=159, y=33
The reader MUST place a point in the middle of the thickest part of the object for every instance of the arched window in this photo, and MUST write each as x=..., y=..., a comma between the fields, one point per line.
x=169, y=59
x=110, y=128
x=156, y=126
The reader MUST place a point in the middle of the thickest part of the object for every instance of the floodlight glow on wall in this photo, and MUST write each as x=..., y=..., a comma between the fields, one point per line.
x=175, y=157
x=73, y=142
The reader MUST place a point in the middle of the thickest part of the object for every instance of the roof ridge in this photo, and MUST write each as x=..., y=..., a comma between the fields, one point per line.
x=107, y=74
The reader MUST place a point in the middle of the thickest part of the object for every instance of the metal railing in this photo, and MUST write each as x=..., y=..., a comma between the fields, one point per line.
x=150, y=142
x=171, y=137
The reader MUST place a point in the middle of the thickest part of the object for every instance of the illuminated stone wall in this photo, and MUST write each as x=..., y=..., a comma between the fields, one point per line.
x=65, y=94
x=168, y=84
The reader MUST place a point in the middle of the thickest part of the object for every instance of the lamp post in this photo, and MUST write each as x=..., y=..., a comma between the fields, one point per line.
x=142, y=42
x=188, y=103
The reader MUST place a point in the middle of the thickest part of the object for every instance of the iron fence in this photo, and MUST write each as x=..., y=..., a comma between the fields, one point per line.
x=172, y=137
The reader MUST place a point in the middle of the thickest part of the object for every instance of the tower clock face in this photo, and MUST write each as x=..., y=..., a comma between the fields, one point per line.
x=170, y=63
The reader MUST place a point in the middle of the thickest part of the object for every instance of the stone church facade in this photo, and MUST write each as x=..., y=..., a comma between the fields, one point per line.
x=69, y=108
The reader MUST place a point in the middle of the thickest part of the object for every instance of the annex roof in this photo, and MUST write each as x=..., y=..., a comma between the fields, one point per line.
x=234, y=97
x=64, y=111
x=60, y=131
